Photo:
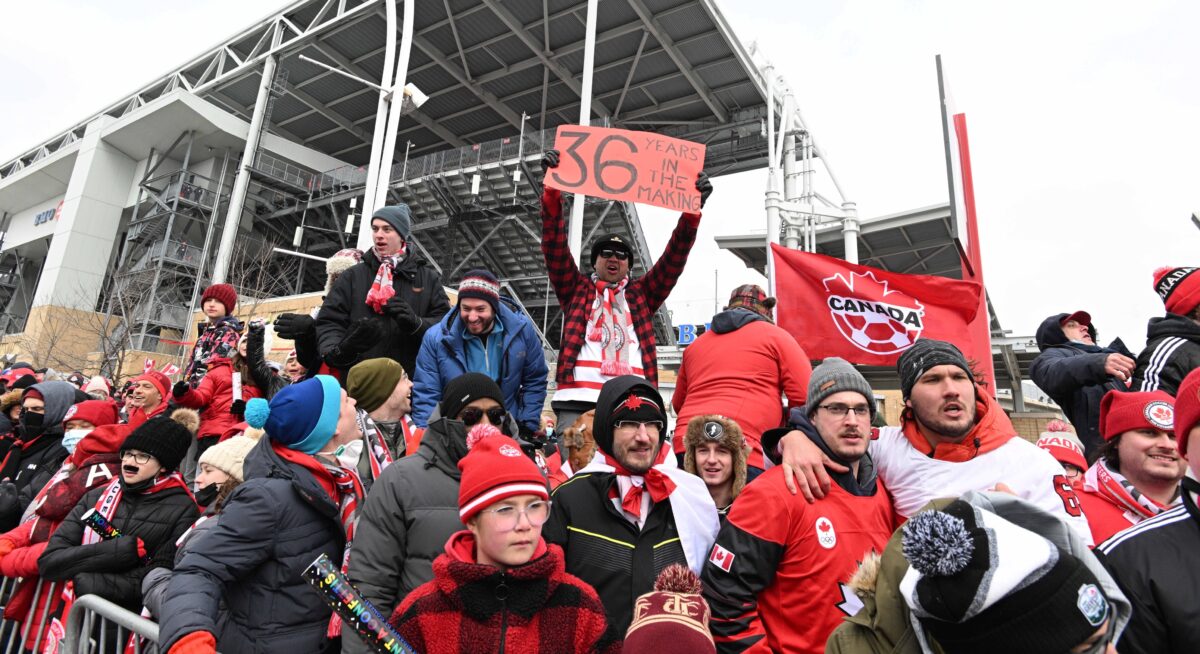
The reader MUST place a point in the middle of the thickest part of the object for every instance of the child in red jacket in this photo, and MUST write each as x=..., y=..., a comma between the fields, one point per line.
x=499, y=586
x=218, y=338
x=219, y=410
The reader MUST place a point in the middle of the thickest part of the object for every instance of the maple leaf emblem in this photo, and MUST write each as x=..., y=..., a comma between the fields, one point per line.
x=824, y=525
x=633, y=402
x=872, y=316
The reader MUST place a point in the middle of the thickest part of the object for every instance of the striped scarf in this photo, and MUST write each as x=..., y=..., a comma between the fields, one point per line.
x=1114, y=486
x=610, y=327
x=381, y=288
x=110, y=499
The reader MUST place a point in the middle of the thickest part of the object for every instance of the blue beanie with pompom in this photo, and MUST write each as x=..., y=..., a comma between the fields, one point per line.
x=301, y=416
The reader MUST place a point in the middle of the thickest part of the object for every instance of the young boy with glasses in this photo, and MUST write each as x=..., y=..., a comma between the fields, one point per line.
x=498, y=584
x=778, y=556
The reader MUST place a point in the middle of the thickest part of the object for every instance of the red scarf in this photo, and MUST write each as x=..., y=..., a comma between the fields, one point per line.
x=992, y=429
x=659, y=485
x=610, y=327
x=1114, y=486
x=344, y=488
x=381, y=288
x=110, y=499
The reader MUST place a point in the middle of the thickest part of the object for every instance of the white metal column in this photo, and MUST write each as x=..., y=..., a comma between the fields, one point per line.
x=381, y=121
x=575, y=227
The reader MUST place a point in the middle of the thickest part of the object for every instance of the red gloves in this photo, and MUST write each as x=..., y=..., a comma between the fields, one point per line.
x=197, y=642
x=6, y=547
x=141, y=548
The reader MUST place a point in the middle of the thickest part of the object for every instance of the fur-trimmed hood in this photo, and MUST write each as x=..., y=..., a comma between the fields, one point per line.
x=726, y=433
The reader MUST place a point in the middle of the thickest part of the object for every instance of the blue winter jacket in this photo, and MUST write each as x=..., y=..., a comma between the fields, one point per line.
x=522, y=369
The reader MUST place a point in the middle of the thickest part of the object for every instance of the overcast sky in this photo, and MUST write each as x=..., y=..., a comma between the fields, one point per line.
x=1082, y=115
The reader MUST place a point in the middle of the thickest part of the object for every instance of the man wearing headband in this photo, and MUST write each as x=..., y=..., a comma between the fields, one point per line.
x=953, y=438
x=778, y=556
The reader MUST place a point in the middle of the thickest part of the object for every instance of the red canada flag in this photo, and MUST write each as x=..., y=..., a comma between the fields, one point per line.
x=866, y=315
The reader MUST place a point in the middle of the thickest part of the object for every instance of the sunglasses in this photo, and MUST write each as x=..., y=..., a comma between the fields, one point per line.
x=619, y=255
x=472, y=415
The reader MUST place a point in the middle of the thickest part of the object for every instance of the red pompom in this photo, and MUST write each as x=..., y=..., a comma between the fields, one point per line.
x=677, y=578
x=1059, y=426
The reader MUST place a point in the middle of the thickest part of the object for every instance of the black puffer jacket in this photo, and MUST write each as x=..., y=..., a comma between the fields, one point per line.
x=1072, y=374
x=1172, y=351
x=414, y=280
x=273, y=526
x=112, y=569
x=32, y=463
x=410, y=514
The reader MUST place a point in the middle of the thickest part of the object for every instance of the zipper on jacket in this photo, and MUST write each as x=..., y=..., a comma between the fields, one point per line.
x=502, y=595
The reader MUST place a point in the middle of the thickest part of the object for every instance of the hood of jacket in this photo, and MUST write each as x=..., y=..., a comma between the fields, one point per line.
x=59, y=396
x=877, y=580
x=1173, y=325
x=613, y=390
x=444, y=443
x=863, y=484
x=731, y=320
x=264, y=462
x=1050, y=334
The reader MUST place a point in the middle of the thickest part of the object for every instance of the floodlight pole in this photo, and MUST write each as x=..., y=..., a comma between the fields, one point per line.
x=377, y=138
x=575, y=228
x=772, y=193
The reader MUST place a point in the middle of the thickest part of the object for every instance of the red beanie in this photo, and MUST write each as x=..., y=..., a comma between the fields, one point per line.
x=493, y=470
x=1060, y=443
x=1122, y=411
x=223, y=293
x=105, y=439
x=159, y=380
x=1179, y=289
x=1187, y=409
x=97, y=412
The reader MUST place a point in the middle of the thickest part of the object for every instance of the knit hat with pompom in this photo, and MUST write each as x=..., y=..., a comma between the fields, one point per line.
x=301, y=416
x=671, y=618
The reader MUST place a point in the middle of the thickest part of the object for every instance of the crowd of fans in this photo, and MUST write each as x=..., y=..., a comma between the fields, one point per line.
x=409, y=441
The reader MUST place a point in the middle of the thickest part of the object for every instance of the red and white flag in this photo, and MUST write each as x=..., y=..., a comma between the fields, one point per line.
x=170, y=369
x=148, y=366
x=721, y=557
x=867, y=315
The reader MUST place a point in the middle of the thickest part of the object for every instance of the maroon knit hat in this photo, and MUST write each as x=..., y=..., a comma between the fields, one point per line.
x=1179, y=288
x=1124, y=411
x=493, y=470
x=672, y=618
x=1187, y=409
x=223, y=293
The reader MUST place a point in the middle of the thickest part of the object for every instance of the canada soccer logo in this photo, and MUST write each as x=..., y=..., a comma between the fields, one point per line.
x=871, y=316
x=1161, y=415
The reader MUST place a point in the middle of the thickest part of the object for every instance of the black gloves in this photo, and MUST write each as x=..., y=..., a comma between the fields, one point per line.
x=180, y=388
x=398, y=309
x=238, y=408
x=294, y=325
x=550, y=159
x=704, y=186
x=10, y=504
x=362, y=335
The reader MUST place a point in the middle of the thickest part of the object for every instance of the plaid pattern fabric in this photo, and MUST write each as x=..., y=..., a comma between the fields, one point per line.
x=576, y=292
x=546, y=610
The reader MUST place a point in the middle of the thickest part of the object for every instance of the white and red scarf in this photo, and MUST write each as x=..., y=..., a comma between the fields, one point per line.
x=381, y=288
x=1120, y=491
x=374, y=445
x=110, y=499
x=609, y=326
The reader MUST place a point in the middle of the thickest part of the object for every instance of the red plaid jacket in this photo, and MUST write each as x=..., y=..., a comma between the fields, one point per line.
x=576, y=291
x=536, y=607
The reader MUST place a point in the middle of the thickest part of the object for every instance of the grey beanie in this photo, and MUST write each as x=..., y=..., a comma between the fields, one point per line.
x=925, y=354
x=398, y=216
x=835, y=375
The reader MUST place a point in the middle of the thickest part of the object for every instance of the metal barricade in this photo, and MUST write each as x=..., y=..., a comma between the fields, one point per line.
x=31, y=634
x=97, y=626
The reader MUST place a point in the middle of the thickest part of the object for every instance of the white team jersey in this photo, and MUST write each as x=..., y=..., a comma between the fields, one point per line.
x=913, y=479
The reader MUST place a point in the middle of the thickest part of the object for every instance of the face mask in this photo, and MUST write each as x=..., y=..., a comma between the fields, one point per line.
x=348, y=455
x=207, y=495
x=72, y=437
x=32, y=424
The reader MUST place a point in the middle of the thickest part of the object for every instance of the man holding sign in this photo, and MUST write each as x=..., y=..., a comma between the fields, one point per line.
x=608, y=328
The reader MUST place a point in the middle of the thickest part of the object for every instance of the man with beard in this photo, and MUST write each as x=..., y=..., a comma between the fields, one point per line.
x=621, y=520
x=483, y=335
x=953, y=438
x=383, y=393
x=1138, y=472
x=778, y=556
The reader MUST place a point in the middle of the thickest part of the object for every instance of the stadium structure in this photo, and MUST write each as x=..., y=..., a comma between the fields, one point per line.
x=256, y=160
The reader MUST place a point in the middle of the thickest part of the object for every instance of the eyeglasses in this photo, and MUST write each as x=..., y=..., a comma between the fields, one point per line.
x=619, y=255
x=473, y=414
x=507, y=517
x=840, y=410
x=140, y=458
x=653, y=427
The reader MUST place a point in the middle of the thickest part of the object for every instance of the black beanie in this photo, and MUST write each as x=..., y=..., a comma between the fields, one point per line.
x=925, y=354
x=465, y=389
x=163, y=438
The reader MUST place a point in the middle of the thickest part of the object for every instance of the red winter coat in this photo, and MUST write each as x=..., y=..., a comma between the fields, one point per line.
x=740, y=369
x=214, y=396
x=546, y=610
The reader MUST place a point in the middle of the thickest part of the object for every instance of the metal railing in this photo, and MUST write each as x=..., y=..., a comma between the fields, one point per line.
x=97, y=626
x=41, y=628
x=282, y=170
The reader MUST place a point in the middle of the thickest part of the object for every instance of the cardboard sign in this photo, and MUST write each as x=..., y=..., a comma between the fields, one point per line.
x=629, y=166
x=353, y=608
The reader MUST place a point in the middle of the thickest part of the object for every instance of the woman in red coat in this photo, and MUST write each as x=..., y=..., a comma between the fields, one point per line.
x=499, y=586
x=214, y=397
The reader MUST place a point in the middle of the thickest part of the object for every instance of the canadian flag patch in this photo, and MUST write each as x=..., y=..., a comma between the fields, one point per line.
x=721, y=557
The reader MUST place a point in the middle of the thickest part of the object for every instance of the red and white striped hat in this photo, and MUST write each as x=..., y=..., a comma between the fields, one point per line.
x=496, y=469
